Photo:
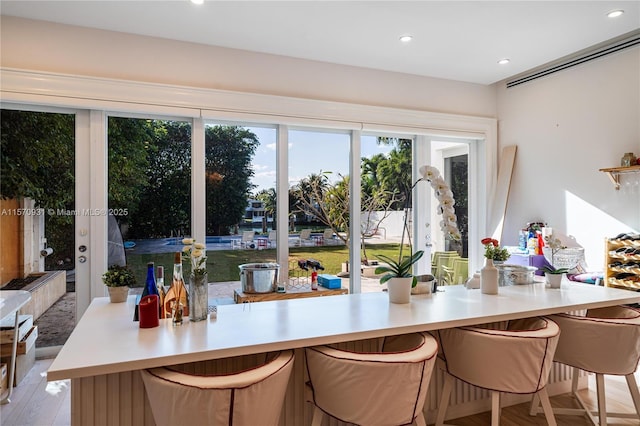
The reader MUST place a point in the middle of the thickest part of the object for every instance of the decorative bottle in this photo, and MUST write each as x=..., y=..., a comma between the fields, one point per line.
x=150, y=283
x=489, y=278
x=177, y=298
x=161, y=291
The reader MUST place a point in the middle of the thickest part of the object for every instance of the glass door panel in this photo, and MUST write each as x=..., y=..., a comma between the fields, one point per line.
x=37, y=217
x=385, y=201
x=240, y=182
x=149, y=192
x=318, y=203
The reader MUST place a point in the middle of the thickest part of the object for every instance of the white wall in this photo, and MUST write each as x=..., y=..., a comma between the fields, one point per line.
x=567, y=126
x=43, y=46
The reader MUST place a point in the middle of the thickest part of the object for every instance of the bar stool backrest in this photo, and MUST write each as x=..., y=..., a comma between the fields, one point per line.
x=385, y=387
x=249, y=397
x=605, y=340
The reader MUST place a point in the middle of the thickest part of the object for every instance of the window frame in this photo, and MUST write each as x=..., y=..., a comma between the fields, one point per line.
x=110, y=96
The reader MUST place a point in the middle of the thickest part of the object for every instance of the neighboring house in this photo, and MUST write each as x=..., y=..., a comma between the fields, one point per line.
x=255, y=212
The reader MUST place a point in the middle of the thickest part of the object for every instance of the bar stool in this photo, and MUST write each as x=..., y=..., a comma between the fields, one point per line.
x=516, y=359
x=387, y=387
x=604, y=341
x=249, y=397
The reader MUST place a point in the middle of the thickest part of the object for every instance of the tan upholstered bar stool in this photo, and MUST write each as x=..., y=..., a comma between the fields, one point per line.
x=388, y=387
x=604, y=341
x=515, y=359
x=250, y=397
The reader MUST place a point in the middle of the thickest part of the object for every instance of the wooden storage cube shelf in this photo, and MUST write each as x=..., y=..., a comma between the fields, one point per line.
x=6, y=328
x=613, y=276
x=24, y=363
x=24, y=344
x=26, y=355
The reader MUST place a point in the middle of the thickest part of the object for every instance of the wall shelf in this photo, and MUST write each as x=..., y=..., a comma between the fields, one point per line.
x=615, y=172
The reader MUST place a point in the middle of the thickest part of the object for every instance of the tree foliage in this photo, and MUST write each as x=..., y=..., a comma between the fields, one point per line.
x=329, y=204
x=229, y=151
x=37, y=158
x=129, y=148
x=391, y=173
x=269, y=199
x=163, y=206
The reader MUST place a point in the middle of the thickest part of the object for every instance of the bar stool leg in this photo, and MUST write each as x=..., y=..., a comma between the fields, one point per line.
x=420, y=421
x=495, y=408
x=635, y=393
x=535, y=401
x=546, y=406
x=602, y=402
x=317, y=417
x=574, y=380
x=444, y=399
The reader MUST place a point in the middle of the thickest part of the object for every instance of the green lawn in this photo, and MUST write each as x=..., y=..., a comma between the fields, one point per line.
x=222, y=265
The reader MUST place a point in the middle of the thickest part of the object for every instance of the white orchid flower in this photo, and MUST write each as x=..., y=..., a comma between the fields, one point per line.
x=199, y=246
x=429, y=172
x=450, y=217
x=445, y=192
x=439, y=185
x=187, y=241
x=447, y=202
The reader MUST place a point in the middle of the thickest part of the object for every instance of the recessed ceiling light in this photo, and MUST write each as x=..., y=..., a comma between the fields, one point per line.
x=197, y=1
x=504, y=61
x=406, y=38
x=615, y=13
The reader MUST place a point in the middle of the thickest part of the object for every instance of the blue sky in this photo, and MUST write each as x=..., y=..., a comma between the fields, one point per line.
x=309, y=152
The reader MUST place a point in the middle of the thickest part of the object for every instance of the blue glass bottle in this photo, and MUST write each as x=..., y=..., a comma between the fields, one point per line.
x=150, y=283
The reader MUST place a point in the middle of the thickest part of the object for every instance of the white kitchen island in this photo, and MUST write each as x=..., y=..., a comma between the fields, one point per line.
x=107, y=349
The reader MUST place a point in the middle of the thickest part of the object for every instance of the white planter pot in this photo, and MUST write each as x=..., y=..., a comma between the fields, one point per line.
x=554, y=280
x=118, y=294
x=399, y=290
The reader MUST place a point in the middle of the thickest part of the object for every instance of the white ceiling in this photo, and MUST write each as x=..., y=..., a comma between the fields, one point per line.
x=457, y=40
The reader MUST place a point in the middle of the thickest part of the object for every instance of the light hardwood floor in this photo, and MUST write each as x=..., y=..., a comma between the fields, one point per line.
x=39, y=403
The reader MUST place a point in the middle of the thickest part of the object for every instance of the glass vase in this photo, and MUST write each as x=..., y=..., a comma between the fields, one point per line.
x=489, y=278
x=198, y=296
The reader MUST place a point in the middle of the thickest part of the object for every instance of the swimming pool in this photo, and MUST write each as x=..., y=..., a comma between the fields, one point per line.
x=225, y=239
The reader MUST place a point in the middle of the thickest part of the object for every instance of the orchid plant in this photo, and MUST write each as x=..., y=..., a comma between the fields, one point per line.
x=448, y=224
x=444, y=195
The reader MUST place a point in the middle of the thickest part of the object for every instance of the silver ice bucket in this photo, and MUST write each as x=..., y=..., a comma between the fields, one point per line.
x=515, y=274
x=259, y=277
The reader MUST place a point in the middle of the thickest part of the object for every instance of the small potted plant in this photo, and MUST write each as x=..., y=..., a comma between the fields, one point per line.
x=493, y=251
x=118, y=280
x=398, y=276
x=553, y=275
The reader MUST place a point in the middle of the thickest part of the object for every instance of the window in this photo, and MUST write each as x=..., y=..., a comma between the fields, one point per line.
x=149, y=194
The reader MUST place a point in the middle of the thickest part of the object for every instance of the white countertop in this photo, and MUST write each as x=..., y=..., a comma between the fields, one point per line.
x=107, y=340
x=11, y=301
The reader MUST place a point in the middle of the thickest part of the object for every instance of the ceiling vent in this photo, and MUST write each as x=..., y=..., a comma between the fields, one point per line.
x=615, y=45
